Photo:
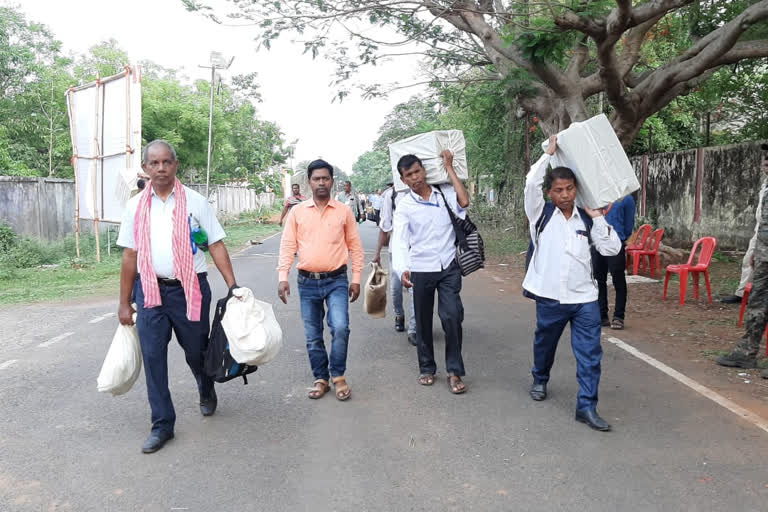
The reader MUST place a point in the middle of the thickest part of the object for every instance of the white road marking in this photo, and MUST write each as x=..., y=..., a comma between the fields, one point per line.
x=8, y=364
x=56, y=339
x=100, y=318
x=700, y=389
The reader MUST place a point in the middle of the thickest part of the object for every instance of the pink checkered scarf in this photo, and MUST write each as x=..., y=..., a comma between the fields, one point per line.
x=183, y=260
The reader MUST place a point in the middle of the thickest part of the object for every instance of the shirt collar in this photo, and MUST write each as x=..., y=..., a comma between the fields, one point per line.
x=330, y=203
x=169, y=196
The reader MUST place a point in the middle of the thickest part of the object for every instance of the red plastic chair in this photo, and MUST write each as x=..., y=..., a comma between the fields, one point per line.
x=651, y=251
x=708, y=244
x=744, y=300
x=643, y=232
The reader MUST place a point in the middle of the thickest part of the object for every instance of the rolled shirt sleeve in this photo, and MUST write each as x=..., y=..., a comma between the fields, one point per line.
x=125, y=237
x=210, y=224
x=385, y=215
x=604, y=237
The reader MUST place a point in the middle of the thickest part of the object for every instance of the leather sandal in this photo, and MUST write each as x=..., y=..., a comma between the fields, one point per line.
x=342, y=389
x=426, y=379
x=318, y=389
x=617, y=324
x=456, y=385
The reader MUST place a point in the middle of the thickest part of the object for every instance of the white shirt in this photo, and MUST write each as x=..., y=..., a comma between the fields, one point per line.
x=561, y=266
x=422, y=234
x=386, y=214
x=161, y=229
x=376, y=201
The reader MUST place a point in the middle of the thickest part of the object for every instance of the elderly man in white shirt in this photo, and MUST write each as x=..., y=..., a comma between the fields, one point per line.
x=165, y=272
x=424, y=256
x=559, y=276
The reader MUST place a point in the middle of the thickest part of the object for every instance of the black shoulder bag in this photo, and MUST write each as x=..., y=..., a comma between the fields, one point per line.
x=470, y=250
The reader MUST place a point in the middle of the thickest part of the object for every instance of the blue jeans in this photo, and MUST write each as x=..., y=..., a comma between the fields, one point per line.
x=315, y=295
x=551, y=318
x=155, y=326
x=396, y=289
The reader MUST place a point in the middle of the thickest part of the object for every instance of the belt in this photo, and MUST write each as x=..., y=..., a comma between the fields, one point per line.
x=164, y=281
x=322, y=275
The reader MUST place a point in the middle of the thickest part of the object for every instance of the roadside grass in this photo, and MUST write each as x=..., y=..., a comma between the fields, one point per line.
x=502, y=246
x=33, y=271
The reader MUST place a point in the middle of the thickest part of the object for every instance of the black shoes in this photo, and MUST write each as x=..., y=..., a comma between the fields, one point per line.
x=208, y=405
x=592, y=420
x=737, y=360
x=604, y=322
x=400, y=323
x=412, y=339
x=731, y=299
x=538, y=392
x=155, y=441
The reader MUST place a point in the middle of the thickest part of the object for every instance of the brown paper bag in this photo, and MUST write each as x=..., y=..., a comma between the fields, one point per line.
x=375, y=292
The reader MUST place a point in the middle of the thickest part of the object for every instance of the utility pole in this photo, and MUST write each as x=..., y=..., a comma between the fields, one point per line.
x=217, y=61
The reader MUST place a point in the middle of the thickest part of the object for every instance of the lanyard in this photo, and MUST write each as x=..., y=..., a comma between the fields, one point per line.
x=425, y=203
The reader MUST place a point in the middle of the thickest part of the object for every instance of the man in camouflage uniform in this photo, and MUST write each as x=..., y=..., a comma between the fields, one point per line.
x=745, y=353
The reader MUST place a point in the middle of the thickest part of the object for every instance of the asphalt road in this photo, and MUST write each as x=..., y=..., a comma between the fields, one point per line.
x=395, y=446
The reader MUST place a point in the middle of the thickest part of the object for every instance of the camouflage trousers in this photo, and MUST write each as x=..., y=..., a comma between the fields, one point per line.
x=756, y=316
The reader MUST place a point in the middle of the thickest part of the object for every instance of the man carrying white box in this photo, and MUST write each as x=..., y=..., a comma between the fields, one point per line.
x=559, y=277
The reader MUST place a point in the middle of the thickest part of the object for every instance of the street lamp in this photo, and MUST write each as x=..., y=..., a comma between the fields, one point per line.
x=217, y=61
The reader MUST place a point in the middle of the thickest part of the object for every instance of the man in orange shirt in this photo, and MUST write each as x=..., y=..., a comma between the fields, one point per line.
x=324, y=231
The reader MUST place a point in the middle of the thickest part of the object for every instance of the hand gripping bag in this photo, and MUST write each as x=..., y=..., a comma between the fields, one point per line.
x=254, y=335
x=122, y=365
x=375, y=292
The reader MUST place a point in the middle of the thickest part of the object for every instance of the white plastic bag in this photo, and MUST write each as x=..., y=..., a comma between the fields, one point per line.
x=252, y=330
x=595, y=155
x=375, y=292
x=428, y=146
x=122, y=365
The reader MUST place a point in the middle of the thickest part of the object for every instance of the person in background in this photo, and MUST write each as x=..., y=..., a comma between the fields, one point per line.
x=292, y=201
x=324, y=232
x=424, y=256
x=748, y=262
x=620, y=215
x=376, y=204
x=167, y=277
x=559, y=277
x=744, y=355
x=350, y=199
x=390, y=199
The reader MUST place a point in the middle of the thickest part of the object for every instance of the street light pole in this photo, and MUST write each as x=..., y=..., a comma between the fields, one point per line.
x=210, y=133
x=217, y=62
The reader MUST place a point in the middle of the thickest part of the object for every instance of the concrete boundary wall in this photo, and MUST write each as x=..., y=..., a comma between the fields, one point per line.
x=701, y=192
x=44, y=208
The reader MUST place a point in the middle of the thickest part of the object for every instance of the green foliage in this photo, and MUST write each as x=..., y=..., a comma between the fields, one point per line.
x=371, y=171
x=8, y=238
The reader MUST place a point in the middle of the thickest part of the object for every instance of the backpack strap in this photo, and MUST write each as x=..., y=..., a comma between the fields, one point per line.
x=394, y=194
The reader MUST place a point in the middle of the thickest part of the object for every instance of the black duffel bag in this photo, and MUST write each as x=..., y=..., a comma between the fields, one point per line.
x=218, y=363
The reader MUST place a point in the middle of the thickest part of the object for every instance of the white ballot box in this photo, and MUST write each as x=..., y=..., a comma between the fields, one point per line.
x=595, y=155
x=428, y=146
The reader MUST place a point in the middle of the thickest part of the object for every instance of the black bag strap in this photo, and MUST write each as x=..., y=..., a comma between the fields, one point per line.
x=394, y=194
x=460, y=236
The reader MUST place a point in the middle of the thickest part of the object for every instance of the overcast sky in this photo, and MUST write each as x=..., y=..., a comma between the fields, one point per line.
x=295, y=88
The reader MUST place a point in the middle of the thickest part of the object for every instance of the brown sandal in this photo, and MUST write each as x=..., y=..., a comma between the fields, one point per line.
x=318, y=389
x=426, y=379
x=341, y=388
x=456, y=385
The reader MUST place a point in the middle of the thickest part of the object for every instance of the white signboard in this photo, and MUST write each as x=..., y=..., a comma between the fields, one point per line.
x=105, y=124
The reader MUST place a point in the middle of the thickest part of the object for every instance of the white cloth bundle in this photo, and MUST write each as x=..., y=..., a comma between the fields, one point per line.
x=428, y=146
x=595, y=155
x=122, y=365
x=252, y=330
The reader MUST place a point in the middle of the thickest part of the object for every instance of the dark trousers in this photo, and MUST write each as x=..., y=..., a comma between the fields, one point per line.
x=615, y=265
x=447, y=283
x=155, y=326
x=551, y=319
